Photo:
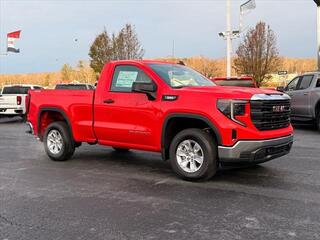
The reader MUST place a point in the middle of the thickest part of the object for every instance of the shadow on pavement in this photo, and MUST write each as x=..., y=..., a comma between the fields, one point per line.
x=4, y=119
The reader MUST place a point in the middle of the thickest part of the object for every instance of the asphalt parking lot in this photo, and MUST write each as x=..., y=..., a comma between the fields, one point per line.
x=100, y=194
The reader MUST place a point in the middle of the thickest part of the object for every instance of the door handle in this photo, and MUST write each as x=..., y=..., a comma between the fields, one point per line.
x=108, y=101
x=306, y=94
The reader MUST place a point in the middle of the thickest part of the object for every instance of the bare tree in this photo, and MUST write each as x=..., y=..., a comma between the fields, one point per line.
x=122, y=46
x=131, y=45
x=257, y=55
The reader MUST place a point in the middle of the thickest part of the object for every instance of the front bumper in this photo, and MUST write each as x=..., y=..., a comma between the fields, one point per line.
x=255, y=151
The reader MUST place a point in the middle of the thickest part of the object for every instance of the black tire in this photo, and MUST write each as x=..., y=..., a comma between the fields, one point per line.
x=210, y=157
x=121, y=150
x=68, y=144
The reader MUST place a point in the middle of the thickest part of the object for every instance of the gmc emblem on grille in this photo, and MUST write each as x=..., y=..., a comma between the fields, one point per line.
x=278, y=108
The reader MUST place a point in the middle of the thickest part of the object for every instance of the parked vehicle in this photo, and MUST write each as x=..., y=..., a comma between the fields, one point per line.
x=13, y=99
x=304, y=91
x=74, y=86
x=166, y=108
x=235, y=81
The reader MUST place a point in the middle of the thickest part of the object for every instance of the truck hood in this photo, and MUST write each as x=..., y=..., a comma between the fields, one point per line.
x=230, y=92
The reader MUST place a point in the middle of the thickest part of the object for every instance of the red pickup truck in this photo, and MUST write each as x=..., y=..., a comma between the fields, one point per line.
x=166, y=108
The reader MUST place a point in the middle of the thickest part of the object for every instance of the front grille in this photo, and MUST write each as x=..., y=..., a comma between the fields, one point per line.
x=270, y=114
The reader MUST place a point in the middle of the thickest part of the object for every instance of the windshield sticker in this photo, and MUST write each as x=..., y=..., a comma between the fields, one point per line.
x=126, y=79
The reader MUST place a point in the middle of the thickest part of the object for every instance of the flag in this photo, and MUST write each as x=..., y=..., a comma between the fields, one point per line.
x=11, y=37
x=247, y=6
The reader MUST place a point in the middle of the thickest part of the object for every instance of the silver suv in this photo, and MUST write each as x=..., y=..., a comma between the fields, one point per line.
x=304, y=91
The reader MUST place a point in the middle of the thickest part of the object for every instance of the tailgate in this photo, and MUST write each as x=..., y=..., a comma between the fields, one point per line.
x=7, y=101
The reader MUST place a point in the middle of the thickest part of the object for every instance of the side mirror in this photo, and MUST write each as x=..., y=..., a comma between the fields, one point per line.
x=280, y=89
x=149, y=88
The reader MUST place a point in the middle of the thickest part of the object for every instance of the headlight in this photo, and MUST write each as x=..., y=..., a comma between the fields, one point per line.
x=232, y=109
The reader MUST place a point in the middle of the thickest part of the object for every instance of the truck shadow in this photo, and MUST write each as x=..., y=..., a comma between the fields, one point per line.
x=152, y=166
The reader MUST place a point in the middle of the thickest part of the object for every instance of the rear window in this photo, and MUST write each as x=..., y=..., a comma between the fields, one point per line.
x=15, y=90
x=37, y=88
x=71, y=87
x=236, y=83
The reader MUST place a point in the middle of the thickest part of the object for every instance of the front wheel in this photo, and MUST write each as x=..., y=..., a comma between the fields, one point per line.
x=58, y=142
x=193, y=154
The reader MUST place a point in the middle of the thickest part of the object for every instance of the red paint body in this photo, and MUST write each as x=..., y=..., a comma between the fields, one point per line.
x=135, y=122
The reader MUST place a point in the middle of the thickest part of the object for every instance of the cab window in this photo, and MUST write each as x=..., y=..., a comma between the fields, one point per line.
x=125, y=75
x=293, y=84
x=305, y=82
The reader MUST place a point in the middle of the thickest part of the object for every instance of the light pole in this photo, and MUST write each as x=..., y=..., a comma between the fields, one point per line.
x=318, y=32
x=229, y=38
x=230, y=34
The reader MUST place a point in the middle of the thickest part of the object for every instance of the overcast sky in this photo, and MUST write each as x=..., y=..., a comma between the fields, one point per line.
x=49, y=28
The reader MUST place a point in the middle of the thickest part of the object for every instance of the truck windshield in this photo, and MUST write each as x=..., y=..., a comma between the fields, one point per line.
x=178, y=76
x=236, y=83
x=15, y=90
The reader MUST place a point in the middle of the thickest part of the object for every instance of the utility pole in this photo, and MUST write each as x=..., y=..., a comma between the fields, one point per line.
x=318, y=32
x=229, y=38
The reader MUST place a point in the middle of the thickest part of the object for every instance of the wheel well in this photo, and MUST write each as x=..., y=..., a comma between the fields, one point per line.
x=176, y=124
x=47, y=117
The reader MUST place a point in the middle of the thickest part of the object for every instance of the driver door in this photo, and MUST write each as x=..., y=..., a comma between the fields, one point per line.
x=126, y=118
x=291, y=90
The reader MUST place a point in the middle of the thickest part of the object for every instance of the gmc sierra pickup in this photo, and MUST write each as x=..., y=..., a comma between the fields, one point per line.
x=167, y=108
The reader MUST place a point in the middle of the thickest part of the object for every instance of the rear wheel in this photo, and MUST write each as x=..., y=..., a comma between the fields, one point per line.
x=193, y=155
x=58, y=142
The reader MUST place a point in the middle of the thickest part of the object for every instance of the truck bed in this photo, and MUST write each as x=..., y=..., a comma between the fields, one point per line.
x=76, y=105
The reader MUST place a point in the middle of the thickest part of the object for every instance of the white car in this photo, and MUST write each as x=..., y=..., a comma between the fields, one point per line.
x=13, y=99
